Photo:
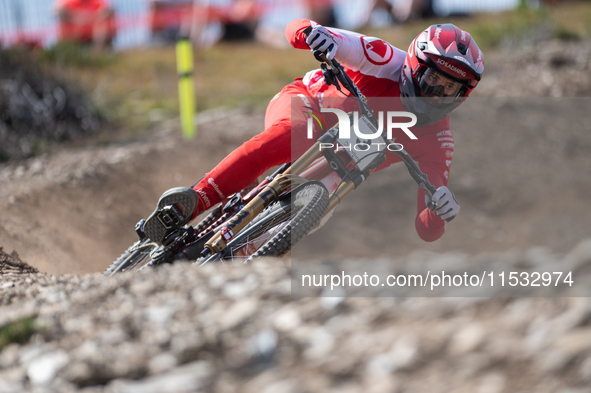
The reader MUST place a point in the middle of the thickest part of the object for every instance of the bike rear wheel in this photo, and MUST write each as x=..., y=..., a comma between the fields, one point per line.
x=272, y=233
x=140, y=254
x=133, y=258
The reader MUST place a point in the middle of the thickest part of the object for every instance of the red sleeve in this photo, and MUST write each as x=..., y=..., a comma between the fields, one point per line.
x=428, y=224
x=294, y=32
x=435, y=162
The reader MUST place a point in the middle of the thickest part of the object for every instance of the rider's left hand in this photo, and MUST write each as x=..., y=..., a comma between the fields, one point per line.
x=444, y=203
x=322, y=40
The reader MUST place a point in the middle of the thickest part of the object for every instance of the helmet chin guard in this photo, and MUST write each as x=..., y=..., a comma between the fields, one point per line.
x=454, y=56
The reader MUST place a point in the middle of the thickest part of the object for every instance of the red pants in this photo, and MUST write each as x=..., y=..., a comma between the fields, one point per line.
x=285, y=133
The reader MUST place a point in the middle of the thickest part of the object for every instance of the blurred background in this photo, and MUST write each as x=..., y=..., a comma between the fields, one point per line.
x=138, y=21
x=120, y=53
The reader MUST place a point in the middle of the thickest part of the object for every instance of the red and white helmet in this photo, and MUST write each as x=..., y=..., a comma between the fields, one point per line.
x=445, y=52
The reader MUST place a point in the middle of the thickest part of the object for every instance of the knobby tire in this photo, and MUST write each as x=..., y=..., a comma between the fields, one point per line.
x=132, y=258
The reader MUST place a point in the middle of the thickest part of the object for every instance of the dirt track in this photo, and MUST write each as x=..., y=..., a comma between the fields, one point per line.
x=520, y=172
x=80, y=207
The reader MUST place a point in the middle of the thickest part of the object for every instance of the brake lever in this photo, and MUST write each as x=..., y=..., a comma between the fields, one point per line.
x=329, y=76
x=320, y=56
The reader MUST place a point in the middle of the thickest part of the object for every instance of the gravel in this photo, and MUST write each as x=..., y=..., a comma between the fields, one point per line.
x=237, y=328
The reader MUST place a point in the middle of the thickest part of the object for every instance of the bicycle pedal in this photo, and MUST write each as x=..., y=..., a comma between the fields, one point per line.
x=170, y=217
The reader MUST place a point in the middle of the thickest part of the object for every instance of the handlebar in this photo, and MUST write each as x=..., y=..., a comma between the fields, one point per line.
x=336, y=75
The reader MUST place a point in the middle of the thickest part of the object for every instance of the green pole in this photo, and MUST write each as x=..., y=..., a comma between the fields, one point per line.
x=184, y=63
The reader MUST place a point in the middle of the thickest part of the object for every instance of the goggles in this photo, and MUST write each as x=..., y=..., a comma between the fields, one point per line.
x=434, y=83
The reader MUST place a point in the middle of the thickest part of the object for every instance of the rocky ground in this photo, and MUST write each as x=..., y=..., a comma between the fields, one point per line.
x=520, y=173
x=227, y=329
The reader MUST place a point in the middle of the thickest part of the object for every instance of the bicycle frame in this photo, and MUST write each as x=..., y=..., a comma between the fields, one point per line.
x=351, y=177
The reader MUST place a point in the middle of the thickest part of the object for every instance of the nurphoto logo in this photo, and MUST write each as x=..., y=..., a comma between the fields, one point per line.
x=365, y=132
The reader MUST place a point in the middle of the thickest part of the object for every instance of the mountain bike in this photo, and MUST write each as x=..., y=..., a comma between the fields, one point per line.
x=269, y=218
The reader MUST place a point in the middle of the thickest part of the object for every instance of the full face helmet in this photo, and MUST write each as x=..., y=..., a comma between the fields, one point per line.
x=442, y=67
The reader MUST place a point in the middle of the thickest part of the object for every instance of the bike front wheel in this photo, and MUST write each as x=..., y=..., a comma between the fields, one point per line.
x=279, y=227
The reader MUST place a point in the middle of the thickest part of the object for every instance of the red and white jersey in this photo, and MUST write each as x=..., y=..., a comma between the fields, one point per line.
x=372, y=63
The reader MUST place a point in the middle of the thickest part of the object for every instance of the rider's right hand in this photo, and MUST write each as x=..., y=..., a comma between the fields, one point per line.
x=320, y=40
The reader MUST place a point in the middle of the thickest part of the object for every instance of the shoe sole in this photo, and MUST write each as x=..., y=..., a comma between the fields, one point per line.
x=187, y=198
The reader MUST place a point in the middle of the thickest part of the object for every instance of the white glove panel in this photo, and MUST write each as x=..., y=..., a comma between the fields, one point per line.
x=444, y=203
x=322, y=40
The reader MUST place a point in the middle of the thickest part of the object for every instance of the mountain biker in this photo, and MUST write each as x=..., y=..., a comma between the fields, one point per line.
x=441, y=68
